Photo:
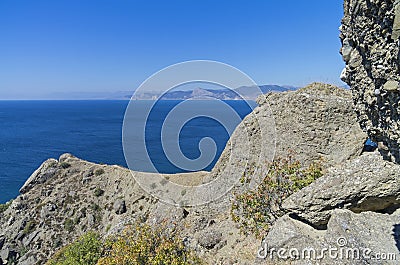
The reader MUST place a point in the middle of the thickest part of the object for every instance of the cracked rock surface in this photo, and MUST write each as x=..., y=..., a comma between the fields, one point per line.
x=370, y=34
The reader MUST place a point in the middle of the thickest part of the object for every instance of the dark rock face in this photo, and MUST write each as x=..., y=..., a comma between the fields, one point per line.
x=370, y=34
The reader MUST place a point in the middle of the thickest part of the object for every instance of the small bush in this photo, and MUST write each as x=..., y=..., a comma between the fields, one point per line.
x=98, y=192
x=139, y=244
x=256, y=209
x=69, y=225
x=29, y=227
x=95, y=207
x=85, y=251
x=65, y=165
x=145, y=245
x=4, y=207
x=99, y=172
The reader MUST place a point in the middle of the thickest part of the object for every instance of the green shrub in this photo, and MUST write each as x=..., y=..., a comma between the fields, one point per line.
x=139, y=244
x=98, y=192
x=29, y=227
x=69, y=225
x=4, y=207
x=255, y=210
x=65, y=165
x=142, y=244
x=95, y=207
x=85, y=251
x=99, y=172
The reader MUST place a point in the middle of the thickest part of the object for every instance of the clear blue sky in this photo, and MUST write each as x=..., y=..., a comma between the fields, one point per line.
x=53, y=46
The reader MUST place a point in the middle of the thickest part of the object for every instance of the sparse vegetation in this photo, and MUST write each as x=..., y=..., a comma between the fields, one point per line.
x=95, y=207
x=145, y=245
x=98, y=192
x=4, y=207
x=99, y=172
x=29, y=227
x=52, y=164
x=85, y=251
x=69, y=225
x=139, y=244
x=256, y=209
x=65, y=165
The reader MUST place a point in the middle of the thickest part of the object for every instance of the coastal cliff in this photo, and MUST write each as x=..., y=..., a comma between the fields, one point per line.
x=67, y=197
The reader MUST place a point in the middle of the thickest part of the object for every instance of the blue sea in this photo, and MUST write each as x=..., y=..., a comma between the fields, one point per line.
x=33, y=131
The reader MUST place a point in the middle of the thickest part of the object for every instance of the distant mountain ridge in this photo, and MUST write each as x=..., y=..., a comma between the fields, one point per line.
x=244, y=92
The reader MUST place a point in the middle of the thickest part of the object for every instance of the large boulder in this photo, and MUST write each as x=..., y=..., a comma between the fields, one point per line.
x=366, y=183
x=370, y=34
x=317, y=122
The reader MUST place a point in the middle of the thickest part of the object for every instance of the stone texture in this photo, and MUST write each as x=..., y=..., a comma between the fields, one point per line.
x=209, y=238
x=366, y=183
x=119, y=207
x=346, y=230
x=370, y=34
x=317, y=122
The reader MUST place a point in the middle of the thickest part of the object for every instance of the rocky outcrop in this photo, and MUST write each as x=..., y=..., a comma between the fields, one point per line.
x=316, y=122
x=350, y=238
x=370, y=34
x=366, y=183
x=43, y=173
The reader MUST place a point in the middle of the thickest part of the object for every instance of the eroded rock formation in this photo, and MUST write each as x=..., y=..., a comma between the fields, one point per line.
x=370, y=34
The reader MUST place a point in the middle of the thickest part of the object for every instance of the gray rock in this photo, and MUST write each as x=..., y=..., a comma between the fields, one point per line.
x=363, y=184
x=65, y=157
x=91, y=220
x=349, y=233
x=7, y=254
x=27, y=260
x=317, y=122
x=4, y=254
x=43, y=173
x=47, y=209
x=391, y=85
x=209, y=238
x=28, y=240
x=119, y=207
x=396, y=22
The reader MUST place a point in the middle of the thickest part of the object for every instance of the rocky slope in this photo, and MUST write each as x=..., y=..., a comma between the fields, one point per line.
x=66, y=197
x=370, y=34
